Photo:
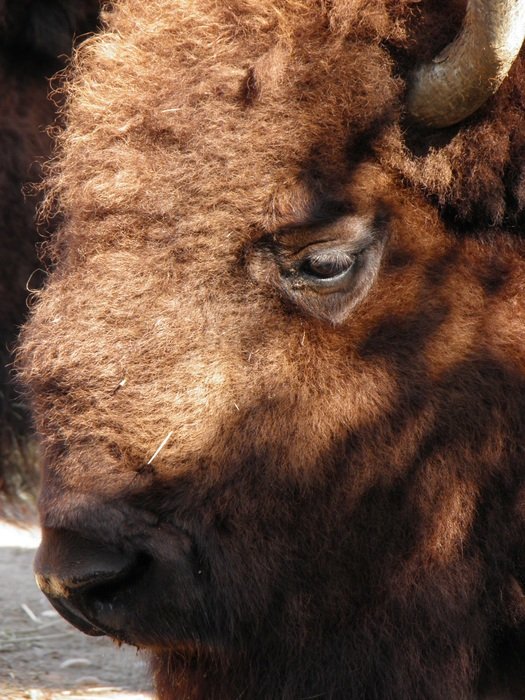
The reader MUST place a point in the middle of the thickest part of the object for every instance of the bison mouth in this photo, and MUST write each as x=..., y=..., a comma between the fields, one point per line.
x=75, y=617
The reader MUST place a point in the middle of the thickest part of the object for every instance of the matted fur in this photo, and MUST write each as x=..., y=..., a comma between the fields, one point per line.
x=352, y=491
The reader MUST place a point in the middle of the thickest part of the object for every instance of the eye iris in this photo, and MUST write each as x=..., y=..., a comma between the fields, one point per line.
x=328, y=265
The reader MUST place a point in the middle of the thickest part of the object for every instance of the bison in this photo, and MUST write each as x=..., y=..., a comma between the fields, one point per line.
x=278, y=370
x=34, y=36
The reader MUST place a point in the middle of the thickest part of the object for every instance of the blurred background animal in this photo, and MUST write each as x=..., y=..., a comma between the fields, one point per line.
x=36, y=37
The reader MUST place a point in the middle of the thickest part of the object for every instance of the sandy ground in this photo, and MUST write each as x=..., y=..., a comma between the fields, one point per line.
x=44, y=658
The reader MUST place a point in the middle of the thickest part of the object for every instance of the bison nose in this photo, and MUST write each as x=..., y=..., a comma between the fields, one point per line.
x=82, y=578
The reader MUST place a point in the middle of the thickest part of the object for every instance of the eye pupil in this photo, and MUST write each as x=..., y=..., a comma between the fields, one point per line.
x=328, y=265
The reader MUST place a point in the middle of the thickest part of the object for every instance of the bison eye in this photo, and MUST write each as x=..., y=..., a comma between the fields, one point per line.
x=328, y=267
x=325, y=269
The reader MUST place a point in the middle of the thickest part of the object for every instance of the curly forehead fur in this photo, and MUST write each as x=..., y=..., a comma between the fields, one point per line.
x=289, y=73
x=226, y=72
x=347, y=480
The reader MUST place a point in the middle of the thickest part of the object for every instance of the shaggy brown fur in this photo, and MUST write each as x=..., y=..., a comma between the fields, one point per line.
x=338, y=508
x=33, y=34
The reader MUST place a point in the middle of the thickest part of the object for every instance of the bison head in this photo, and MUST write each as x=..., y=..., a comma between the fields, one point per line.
x=280, y=398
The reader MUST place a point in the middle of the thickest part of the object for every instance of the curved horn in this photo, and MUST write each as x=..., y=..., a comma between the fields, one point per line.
x=470, y=69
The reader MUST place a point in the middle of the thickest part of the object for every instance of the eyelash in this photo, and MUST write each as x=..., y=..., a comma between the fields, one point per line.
x=336, y=263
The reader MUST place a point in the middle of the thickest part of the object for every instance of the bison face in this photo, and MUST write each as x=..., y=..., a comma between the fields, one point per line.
x=273, y=392
x=248, y=418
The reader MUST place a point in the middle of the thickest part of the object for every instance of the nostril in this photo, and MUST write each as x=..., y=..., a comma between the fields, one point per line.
x=83, y=579
x=89, y=581
x=77, y=561
x=105, y=601
x=104, y=588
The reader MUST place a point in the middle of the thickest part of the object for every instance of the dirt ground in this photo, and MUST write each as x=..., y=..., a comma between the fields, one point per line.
x=44, y=658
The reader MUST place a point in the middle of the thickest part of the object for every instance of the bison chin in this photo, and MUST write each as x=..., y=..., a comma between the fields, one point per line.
x=149, y=590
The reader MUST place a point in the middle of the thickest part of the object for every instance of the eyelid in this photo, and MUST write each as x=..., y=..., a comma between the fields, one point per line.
x=350, y=232
x=311, y=244
x=339, y=247
x=335, y=256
